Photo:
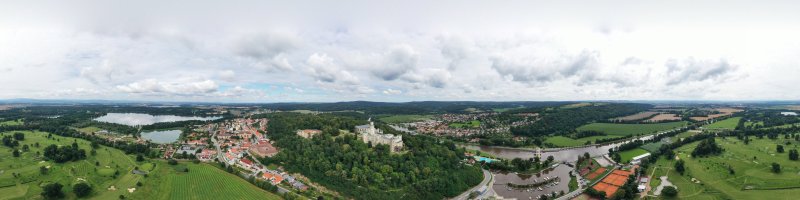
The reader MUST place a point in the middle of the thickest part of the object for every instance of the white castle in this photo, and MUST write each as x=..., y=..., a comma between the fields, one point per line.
x=370, y=134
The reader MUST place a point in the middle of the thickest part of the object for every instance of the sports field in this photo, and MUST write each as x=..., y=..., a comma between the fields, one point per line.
x=751, y=163
x=629, y=154
x=729, y=123
x=630, y=129
x=405, y=118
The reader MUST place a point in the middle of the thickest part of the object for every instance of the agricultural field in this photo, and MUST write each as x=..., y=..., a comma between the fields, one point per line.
x=203, y=181
x=405, y=118
x=630, y=129
x=752, y=178
x=637, y=116
x=663, y=117
x=729, y=123
x=723, y=112
x=629, y=154
x=11, y=122
x=470, y=124
x=576, y=105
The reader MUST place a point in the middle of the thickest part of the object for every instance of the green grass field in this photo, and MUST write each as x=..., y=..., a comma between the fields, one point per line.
x=101, y=177
x=562, y=141
x=630, y=129
x=629, y=154
x=729, y=123
x=27, y=185
x=652, y=147
x=11, y=122
x=203, y=181
x=470, y=124
x=405, y=118
x=752, y=179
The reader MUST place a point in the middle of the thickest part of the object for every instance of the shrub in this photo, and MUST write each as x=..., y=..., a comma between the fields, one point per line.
x=82, y=189
x=669, y=191
x=52, y=191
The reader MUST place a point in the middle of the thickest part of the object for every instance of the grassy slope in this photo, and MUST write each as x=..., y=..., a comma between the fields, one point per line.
x=66, y=173
x=718, y=183
x=27, y=187
x=729, y=123
x=630, y=129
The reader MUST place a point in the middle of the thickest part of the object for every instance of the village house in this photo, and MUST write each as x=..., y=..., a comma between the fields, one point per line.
x=206, y=155
x=274, y=179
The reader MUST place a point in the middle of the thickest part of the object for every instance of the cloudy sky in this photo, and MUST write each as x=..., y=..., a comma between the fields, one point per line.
x=308, y=51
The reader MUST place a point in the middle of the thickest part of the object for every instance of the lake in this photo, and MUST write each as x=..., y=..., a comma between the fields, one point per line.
x=162, y=137
x=137, y=119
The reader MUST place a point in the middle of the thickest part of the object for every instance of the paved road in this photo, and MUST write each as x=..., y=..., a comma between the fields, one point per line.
x=487, y=177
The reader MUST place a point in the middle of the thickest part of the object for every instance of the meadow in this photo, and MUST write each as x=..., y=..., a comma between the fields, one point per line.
x=405, y=118
x=630, y=129
x=729, y=123
x=752, y=177
x=11, y=122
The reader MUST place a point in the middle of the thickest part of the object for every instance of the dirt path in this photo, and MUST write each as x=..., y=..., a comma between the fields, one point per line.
x=664, y=183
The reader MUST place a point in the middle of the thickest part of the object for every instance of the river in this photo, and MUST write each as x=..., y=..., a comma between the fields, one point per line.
x=559, y=154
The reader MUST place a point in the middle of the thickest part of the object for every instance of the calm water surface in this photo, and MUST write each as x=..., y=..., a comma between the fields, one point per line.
x=136, y=119
x=162, y=137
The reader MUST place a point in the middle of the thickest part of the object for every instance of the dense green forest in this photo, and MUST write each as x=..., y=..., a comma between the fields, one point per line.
x=562, y=121
x=429, y=168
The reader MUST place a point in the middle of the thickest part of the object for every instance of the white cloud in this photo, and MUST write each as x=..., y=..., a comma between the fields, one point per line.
x=355, y=51
x=152, y=86
x=392, y=91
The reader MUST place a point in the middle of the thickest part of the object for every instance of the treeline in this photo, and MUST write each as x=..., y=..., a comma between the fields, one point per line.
x=563, y=121
x=588, y=133
x=429, y=168
x=420, y=107
x=769, y=118
x=64, y=153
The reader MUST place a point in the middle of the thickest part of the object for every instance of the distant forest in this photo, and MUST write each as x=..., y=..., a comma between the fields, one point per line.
x=562, y=121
